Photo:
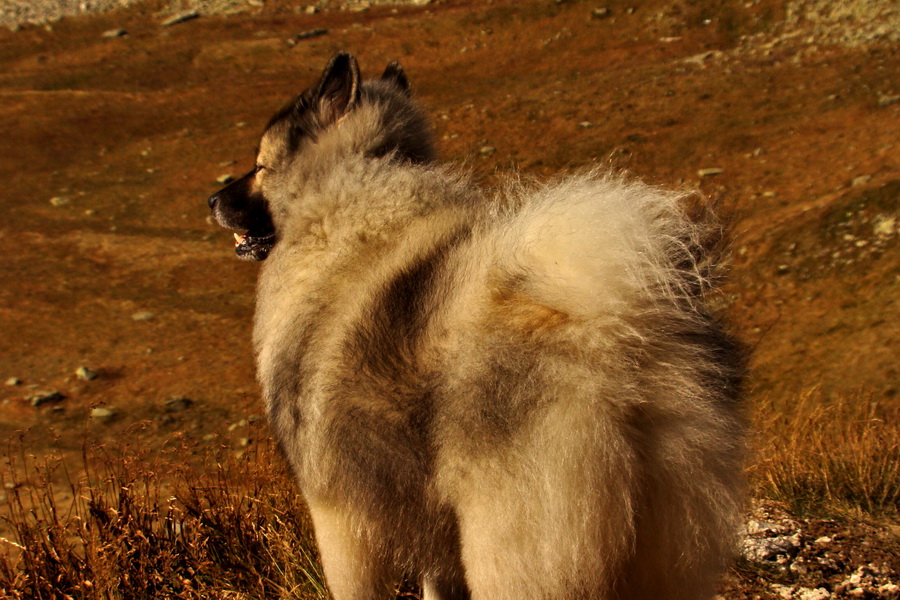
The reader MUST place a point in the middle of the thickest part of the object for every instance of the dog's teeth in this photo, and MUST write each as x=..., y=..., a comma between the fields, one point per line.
x=238, y=239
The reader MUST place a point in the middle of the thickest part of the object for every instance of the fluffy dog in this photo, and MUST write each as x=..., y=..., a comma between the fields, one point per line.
x=517, y=395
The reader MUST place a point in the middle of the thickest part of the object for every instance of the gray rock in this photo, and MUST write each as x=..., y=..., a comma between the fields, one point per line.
x=710, y=171
x=144, y=315
x=85, y=374
x=769, y=549
x=601, y=13
x=805, y=593
x=44, y=397
x=178, y=404
x=888, y=100
x=180, y=18
x=486, y=150
x=114, y=33
x=13, y=381
x=223, y=179
x=309, y=34
x=59, y=201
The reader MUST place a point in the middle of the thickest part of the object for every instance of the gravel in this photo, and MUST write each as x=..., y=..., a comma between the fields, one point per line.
x=14, y=13
x=816, y=559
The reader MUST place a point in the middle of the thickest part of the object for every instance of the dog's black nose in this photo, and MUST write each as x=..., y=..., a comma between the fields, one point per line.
x=213, y=200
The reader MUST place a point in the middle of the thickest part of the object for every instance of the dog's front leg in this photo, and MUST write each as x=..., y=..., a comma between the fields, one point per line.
x=353, y=570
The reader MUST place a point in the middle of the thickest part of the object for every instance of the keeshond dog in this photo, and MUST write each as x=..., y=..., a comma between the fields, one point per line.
x=508, y=395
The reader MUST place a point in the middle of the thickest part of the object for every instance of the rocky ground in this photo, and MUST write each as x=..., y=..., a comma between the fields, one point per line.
x=791, y=558
x=125, y=316
x=14, y=13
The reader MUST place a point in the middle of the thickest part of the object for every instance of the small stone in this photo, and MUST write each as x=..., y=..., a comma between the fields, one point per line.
x=585, y=124
x=104, y=414
x=244, y=442
x=861, y=180
x=114, y=33
x=210, y=437
x=600, y=13
x=59, y=201
x=812, y=594
x=487, y=150
x=44, y=397
x=178, y=404
x=226, y=163
x=238, y=425
x=311, y=10
x=754, y=526
x=710, y=171
x=144, y=315
x=885, y=226
x=309, y=34
x=13, y=381
x=824, y=540
x=783, y=591
x=223, y=179
x=180, y=18
x=888, y=100
x=85, y=374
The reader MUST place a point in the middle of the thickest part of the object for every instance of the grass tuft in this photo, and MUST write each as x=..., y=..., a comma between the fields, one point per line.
x=841, y=455
x=136, y=528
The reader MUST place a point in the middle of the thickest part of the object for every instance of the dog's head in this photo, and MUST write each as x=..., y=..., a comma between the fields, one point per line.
x=338, y=116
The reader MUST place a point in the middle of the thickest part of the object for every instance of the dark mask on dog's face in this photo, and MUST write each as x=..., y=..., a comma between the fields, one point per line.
x=245, y=204
x=242, y=205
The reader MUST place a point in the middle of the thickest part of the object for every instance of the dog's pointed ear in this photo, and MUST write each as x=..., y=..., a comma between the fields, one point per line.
x=395, y=74
x=338, y=91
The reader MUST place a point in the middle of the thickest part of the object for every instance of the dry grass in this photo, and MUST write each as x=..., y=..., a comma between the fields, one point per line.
x=236, y=532
x=839, y=455
x=136, y=527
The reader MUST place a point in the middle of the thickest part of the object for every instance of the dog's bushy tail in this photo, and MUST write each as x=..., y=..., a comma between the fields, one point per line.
x=598, y=245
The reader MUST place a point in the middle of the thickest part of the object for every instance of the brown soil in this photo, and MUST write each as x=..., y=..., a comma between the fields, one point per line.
x=128, y=135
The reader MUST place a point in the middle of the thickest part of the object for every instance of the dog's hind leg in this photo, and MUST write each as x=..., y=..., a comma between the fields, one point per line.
x=353, y=569
x=444, y=588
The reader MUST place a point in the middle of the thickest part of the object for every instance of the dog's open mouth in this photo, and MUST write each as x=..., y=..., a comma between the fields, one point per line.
x=253, y=246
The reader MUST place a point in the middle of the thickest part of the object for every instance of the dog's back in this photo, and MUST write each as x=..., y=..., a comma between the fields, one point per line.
x=511, y=397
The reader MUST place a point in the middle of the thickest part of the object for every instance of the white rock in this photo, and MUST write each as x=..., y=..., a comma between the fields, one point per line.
x=812, y=594
x=104, y=414
x=85, y=374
